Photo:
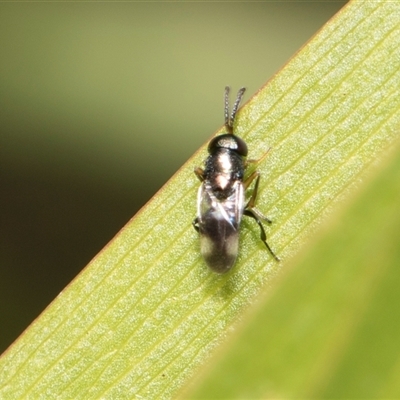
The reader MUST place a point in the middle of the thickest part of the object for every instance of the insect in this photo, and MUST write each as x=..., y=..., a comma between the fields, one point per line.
x=221, y=197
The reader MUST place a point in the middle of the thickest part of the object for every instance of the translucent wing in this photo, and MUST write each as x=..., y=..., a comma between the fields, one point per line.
x=219, y=222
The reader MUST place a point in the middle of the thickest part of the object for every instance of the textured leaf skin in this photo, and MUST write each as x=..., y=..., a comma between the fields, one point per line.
x=146, y=312
x=330, y=327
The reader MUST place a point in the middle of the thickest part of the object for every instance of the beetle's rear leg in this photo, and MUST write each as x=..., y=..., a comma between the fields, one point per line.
x=254, y=213
x=250, y=213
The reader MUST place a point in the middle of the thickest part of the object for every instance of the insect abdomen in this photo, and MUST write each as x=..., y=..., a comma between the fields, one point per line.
x=219, y=243
x=218, y=223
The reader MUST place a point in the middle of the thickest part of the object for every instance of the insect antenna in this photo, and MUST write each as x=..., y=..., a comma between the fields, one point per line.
x=229, y=120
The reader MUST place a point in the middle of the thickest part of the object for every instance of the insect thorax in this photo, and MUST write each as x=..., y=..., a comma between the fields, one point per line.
x=222, y=170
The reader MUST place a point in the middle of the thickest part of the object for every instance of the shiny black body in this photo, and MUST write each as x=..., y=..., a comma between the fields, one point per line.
x=214, y=172
x=221, y=198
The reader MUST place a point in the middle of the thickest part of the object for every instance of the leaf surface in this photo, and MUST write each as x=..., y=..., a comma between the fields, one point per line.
x=146, y=313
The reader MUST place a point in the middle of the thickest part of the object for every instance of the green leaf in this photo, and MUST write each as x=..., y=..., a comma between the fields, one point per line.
x=330, y=328
x=146, y=313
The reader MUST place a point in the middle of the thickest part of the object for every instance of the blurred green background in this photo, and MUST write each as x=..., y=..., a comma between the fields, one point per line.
x=100, y=104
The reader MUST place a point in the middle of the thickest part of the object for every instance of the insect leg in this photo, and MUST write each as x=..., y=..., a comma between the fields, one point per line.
x=195, y=224
x=199, y=173
x=250, y=213
x=252, y=202
x=249, y=179
x=258, y=160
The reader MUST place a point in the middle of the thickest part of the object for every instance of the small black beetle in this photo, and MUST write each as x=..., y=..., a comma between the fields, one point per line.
x=221, y=197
